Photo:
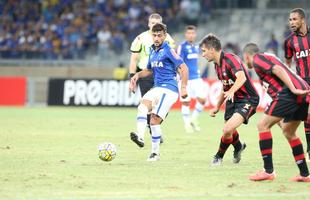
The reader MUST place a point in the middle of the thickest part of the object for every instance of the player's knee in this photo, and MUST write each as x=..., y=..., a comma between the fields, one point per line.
x=155, y=120
x=142, y=108
x=202, y=101
x=262, y=126
x=185, y=103
x=227, y=131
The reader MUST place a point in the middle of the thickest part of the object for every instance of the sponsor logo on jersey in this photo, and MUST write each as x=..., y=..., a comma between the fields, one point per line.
x=157, y=64
x=228, y=82
x=302, y=54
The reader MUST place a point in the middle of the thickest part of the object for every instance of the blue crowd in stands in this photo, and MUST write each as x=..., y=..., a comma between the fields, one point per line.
x=71, y=29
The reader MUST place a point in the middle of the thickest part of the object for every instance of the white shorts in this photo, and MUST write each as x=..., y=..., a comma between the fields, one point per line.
x=162, y=100
x=196, y=88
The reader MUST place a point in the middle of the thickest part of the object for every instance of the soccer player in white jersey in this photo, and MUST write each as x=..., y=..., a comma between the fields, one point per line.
x=164, y=64
x=140, y=51
x=189, y=52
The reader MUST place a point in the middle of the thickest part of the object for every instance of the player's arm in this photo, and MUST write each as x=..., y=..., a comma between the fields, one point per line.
x=282, y=74
x=135, y=48
x=240, y=80
x=137, y=76
x=220, y=101
x=183, y=71
x=133, y=63
x=288, y=52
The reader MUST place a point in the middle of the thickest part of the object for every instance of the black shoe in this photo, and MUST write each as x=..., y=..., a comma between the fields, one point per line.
x=217, y=161
x=135, y=138
x=154, y=157
x=237, y=154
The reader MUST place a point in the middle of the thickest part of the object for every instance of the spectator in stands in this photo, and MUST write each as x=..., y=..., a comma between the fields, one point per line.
x=273, y=45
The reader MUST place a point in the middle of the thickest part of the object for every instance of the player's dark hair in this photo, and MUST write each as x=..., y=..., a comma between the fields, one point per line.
x=190, y=27
x=251, y=48
x=211, y=41
x=300, y=11
x=159, y=27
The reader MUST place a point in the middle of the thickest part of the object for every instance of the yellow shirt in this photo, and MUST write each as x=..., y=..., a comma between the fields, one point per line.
x=142, y=44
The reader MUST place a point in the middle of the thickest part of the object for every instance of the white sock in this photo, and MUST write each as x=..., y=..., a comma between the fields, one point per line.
x=156, y=134
x=198, y=109
x=186, y=115
x=141, y=120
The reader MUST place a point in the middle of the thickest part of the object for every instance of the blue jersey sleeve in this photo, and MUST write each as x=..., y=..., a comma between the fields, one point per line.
x=174, y=57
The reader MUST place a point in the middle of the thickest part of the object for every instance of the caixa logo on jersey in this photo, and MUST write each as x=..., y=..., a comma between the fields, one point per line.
x=91, y=93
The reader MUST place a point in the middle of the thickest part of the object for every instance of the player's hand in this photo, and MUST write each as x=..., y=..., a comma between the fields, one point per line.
x=213, y=111
x=133, y=83
x=300, y=92
x=183, y=92
x=229, y=95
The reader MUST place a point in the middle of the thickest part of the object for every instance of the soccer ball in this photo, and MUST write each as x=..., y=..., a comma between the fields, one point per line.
x=107, y=151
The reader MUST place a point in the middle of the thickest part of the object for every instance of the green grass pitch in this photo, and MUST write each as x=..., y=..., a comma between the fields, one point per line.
x=51, y=154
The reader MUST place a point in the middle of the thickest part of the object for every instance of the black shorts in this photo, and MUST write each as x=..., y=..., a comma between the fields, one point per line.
x=286, y=107
x=245, y=108
x=145, y=84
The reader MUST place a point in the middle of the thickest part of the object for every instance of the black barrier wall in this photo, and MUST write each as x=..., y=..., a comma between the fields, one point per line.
x=89, y=92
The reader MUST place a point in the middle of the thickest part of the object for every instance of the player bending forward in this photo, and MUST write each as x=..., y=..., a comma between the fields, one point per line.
x=189, y=52
x=286, y=90
x=163, y=64
x=238, y=92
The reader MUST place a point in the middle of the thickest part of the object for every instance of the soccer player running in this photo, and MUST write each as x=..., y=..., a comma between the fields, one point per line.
x=286, y=90
x=140, y=50
x=297, y=45
x=189, y=51
x=163, y=64
x=238, y=92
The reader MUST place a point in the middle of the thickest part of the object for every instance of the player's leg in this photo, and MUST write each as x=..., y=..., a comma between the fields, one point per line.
x=289, y=131
x=185, y=109
x=200, y=94
x=166, y=98
x=227, y=138
x=307, y=133
x=186, y=116
x=143, y=109
x=265, y=144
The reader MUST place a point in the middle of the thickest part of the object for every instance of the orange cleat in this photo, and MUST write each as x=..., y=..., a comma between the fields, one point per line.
x=262, y=176
x=300, y=178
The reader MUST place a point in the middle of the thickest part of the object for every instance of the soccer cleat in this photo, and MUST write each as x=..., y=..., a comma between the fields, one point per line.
x=153, y=157
x=237, y=154
x=300, y=178
x=189, y=129
x=135, y=138
x=195, y=125
x=262, y=176
x=217, y=161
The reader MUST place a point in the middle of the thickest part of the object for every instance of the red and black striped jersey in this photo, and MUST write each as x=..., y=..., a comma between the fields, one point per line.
x=298, y=46
x=229, y=65
x=263, y=64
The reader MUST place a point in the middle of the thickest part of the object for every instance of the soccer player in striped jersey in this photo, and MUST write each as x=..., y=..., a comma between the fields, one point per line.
x=297, y=45
x=164, y=64
x=238, y=92
x=289, y=103
x=140, y=51
x=189, y=52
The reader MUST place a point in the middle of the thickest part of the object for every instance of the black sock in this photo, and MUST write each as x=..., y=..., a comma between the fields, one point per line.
x=307, y=132
x=265, y=145
x=236, y=142
x=299, y=156
x=148, y=119
x=224, y=144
